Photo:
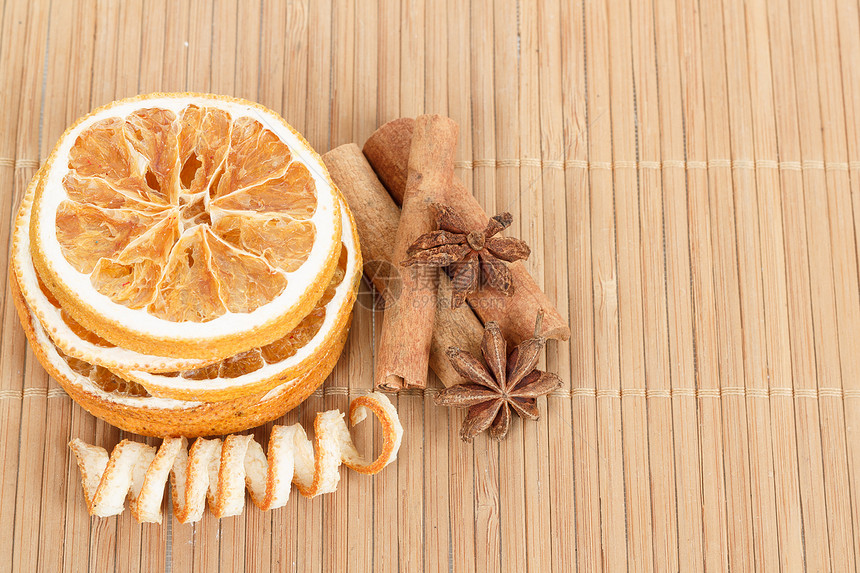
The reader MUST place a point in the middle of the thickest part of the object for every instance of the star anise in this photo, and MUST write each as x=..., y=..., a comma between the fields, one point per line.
x=510, y=382
x=474, y=257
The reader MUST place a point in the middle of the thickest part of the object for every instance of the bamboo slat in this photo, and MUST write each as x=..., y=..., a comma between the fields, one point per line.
x=784, y=454
x=820, y=248
x=336, y=507
x=128, y=533
x=810, y=471
x=582, y=360
x=530, y=203
x=715, y=544
x=847, y=46
x=688, y=489
x=513, y=511
x=177, y=22
x=152, y=45
x=762, y=502
x=628, y=233
x=410, y=473
x=57, y=411
x=559, y=441
x=291, y=104
x=607, y=380
x=659, y=432
x=13, y=346
x=76, y=552
x=487, y=486
x=688, y=178
x=108, y=50
x=729, y=324
x=843, y=264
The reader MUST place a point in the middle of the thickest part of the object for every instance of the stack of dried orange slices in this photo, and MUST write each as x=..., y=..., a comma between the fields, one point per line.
x=183, y=265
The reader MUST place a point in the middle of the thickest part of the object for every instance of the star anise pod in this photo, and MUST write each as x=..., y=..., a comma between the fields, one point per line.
x=510, y=382
x=474, y=257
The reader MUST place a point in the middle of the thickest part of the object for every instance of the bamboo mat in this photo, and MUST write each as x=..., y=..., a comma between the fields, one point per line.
x=688, y=177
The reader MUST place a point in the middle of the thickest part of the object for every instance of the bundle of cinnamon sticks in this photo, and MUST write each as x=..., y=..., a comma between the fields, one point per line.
x=409, y=163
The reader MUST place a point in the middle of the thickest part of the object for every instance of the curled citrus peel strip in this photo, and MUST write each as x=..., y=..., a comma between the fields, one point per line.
x=221, y=470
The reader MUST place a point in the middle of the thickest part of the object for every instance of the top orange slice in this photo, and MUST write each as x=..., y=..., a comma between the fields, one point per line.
x=185, y=225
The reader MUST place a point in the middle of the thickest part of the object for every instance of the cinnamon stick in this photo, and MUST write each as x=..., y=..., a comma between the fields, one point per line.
x=376, y=217
x=387, y=150
x=407, y=325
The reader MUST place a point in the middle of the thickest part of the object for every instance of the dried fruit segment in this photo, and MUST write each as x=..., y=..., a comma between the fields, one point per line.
x=340, y=270
x=102, y=151
x=131, y=278
x=204, y=140
x=98, y=192
x=233, y=367
x=82, y=332
x=193, y=211
x=293, y=194
x=104, y=378
x=242, y=363
x=113, y=384
x=296, y=339
x=189, y=290
x=246, y=281
x=283, y=242
x=87, y=233
x=256, y=155
x=205, y=373
x=153, y=134
x=48, y=294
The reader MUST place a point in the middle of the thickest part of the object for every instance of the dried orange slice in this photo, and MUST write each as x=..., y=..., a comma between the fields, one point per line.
x=185, y=225
x=130, y=407
x=253, y=371
x=70, y=337
x=262, y=368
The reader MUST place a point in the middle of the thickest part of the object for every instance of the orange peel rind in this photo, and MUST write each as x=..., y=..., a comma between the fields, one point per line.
x=220, y=470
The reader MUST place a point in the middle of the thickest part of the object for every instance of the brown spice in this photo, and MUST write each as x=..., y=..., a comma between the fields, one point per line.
x=407, y=325
x=387, y=151
x=474, y=257
x=507, y=382
x=376, y=217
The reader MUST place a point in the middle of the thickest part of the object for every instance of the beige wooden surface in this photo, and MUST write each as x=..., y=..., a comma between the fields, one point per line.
x=688, y=176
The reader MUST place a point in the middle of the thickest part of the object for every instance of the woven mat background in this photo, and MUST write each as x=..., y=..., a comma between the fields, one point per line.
x=688, y=176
